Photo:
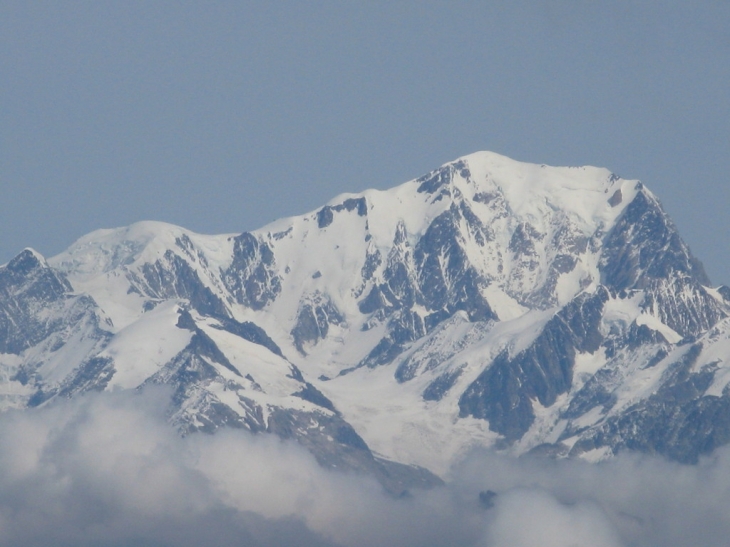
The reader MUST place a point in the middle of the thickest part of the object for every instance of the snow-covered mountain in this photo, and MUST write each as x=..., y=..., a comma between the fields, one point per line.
x=487, y=303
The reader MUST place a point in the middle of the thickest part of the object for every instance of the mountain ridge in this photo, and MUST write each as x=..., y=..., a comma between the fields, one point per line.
x=487, y=303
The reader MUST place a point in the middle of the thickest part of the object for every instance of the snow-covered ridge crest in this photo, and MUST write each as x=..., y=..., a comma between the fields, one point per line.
x=590, y=194
x=532, y=194
x=512, y=220
x=105, y=250
x=116, y=266
x=587, y=193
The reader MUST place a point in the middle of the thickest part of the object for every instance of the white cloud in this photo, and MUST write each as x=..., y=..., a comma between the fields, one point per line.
x=532, y=517
x=106, y=470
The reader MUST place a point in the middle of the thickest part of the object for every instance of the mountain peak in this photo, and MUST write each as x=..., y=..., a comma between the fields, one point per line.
x=489, y=301
x=28, y=259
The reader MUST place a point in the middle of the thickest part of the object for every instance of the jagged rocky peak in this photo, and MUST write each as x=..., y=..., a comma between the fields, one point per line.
x=28, y=275
x=28, y=259
x=39, y=314
x=645, y=252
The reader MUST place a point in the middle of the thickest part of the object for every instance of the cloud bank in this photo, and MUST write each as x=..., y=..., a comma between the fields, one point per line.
x=107, y=470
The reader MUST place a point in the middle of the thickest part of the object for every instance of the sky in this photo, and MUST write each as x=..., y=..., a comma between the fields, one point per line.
x=223, y=116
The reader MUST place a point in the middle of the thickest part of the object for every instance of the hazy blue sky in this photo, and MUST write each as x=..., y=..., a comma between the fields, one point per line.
x=223, y=116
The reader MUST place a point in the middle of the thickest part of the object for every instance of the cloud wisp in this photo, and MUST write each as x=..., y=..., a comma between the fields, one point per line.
x=107, y=470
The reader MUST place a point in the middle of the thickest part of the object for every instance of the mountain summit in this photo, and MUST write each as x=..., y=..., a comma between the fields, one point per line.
x=488, y=303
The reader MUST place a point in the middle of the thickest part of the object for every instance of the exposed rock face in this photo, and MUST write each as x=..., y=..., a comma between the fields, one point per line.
x=504, y=392
x=488, y=302
x=644, y=252
x=252, y=277
x=29, y=286
x=316, y=314
x=171, y=278
x=39, y=314
x=678, y=421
